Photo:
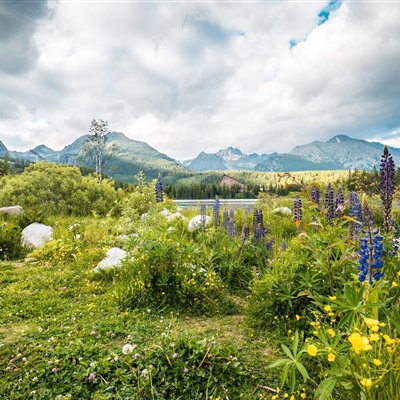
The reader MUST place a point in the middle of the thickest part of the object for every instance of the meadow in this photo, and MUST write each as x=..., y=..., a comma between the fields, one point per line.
x=258, y=304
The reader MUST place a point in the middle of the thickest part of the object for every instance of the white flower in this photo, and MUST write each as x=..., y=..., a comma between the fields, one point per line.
x=144, y=372
x=127, y=348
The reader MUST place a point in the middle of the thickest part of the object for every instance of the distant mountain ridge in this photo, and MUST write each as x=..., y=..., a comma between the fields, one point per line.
x=339, y=153
x=126, y=159
x=129, y=157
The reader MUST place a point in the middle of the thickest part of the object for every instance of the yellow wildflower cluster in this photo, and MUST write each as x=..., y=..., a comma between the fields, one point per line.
x=359, y=343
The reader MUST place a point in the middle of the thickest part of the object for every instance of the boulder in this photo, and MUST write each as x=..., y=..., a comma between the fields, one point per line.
x=195, y=223
x=36, y=235
x=283, y=210
x=112, y=260
x=12, y=210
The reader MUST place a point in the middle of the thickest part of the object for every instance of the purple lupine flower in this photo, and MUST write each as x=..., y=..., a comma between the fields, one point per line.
x=371, y=254
x=216, y=207
x=339, y=203
x=259, y=232
x=387, y=187
x=315, y=195
x=329, y=204
x=297, y=211
x=159, y=190
x=245, y=232
x=284, y=245
x=257, y=220
x=355, y=211
x=203, y=216
x=225, y=220
x=267, y=229
x=269, y=244
x=231, y=229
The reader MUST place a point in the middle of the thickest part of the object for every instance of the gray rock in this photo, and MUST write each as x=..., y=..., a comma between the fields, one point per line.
x=12, y=210
x=36, y=235
x=283, y=210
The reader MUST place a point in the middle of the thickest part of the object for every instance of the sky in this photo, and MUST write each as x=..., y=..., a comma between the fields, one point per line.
x=192, y=76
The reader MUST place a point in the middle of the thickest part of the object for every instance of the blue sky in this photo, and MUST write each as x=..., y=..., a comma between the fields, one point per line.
x=196, y=76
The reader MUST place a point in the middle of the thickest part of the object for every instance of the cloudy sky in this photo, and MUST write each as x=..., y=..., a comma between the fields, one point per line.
x=191, y=76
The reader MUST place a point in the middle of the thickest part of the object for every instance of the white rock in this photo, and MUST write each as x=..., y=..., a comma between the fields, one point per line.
x=283, y=210
x=113, y=259
x=36, y=235
x=12, y=210
x=165, y=212
x=176, y=215
x=195, y=223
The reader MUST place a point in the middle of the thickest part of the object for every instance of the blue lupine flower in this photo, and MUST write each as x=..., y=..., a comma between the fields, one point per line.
x=284, y=245
x=329, y=204
x=231, y=229
x=339, y=203
x=159, y=190
x=225, y=220
x=269, y=244
x=371, y=254
x=259, y=232
x=387, y=187
x=216, y=207
x=297, y=211
x=355, y=211
x=203, y=216
x=245, y=232
x=315, y=195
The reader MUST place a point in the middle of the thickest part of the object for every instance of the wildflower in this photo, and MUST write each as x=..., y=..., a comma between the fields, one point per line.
x=151, y=366
x=315, y=195
x=331, y=357
x=269, y=244
x=327, y=308
x=216, y=207
x=331, y=332
x=203, y=216
x=366, y=382
x=377, y=362
x=225, y=220
x=92, y=333
x=387, y=187
x=144, y=372
x=374, y=337
x=329, y=203
x=259, y=232
x=359, y=343
x=312, y=350
x=303, y=395
x=91, y=377
x=137, y=356
x=297, y=211
x=355, y=211
x=127, y=348
x=231, y=229
x=394, y=284
x=332, y=298
x=159, y=190
x=245, y=232
x=54, y=370
x=388, y=339
x=174, y=355
x=283, y=245
x=297, y=317
x=339, y=203
x=185, y=370
x=372, y=324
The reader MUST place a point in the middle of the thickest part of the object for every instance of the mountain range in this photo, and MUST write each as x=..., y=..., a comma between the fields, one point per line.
x=128, y=157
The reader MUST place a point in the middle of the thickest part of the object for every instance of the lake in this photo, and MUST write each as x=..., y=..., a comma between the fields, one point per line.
x=224, y=203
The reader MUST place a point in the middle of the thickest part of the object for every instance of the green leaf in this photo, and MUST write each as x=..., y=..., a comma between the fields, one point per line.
x=292, y=379
x=302, y=370
x=287, y=351
x=279, y=362
x=295, y=343
x=325, y=388
x=284, y=375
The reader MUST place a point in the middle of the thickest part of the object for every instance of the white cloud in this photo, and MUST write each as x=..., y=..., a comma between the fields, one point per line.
x=188, y=77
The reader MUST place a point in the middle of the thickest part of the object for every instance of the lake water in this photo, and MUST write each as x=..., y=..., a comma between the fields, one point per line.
x=224, y=203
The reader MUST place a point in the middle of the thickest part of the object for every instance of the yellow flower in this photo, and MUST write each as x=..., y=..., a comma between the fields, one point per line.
x=286, y=395
x=359, y=342
x=398, y=273
x=372, y=324
x=292, y=397
x=331, y=332
x=394, y=284
x=377, y=362
x=374, y=337
x=312, y=323
x=274, y=397
x=297, y=317
x=303, y=395
x=327, y=308
x=332, y=298
x=389, y=349
x=366, y=382
x=331, y=357
x=312, y=350
x=289, y=331
x=388, y=339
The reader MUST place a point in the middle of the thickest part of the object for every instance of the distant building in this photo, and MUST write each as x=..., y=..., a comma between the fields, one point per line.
x=229, y=182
